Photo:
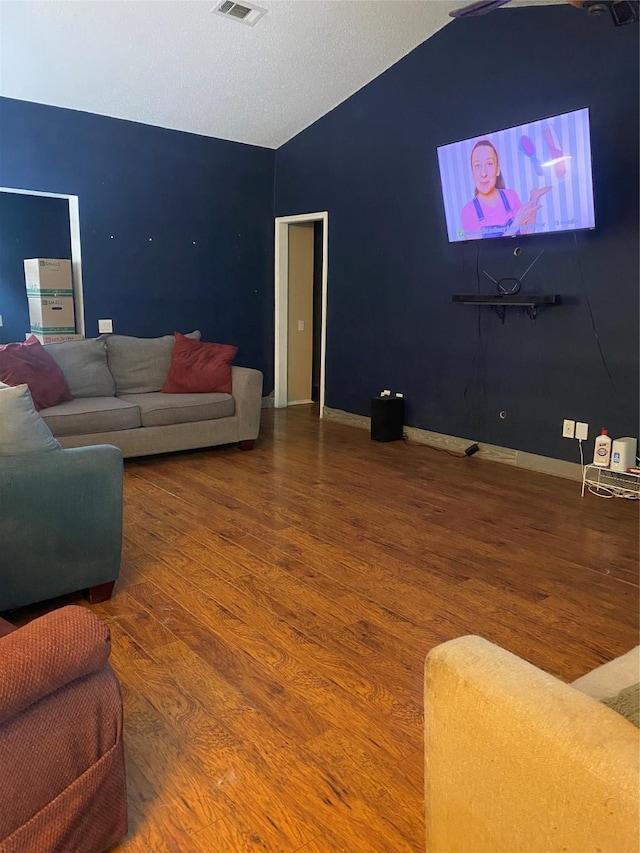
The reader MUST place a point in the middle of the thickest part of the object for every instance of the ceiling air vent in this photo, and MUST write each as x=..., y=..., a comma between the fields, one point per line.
x=244, y=13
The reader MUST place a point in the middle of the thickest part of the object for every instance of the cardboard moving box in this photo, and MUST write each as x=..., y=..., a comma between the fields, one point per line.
x=53, y=339
x=52, y=315
x=48, y=277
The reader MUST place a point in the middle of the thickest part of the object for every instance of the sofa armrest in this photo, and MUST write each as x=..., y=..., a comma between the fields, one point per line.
x=247, y=394
x=516, y=760
x=48, y=653
x=60, y=522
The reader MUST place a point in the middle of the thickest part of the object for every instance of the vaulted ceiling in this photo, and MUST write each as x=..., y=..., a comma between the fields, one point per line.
x=178, y=65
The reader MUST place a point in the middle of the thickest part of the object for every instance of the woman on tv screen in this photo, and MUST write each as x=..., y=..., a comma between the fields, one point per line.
x=494, y=210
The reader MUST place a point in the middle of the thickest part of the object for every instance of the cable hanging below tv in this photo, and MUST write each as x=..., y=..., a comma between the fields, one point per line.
x=500, y=301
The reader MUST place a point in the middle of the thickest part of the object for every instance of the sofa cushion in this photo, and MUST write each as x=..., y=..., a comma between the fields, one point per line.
x=140, y=365
x=30, y=364
x=160, y=409
x=23, y=430
x=607, y=680
x=86, y=415
x=627, y=703
x=84, y=365
x=199, y=367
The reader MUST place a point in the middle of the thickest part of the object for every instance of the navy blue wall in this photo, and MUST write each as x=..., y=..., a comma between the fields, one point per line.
x=30, y=227
x=176, y=229
x=372, y=164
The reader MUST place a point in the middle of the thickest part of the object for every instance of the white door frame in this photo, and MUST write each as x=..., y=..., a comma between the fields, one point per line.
x=76, y=253
x=282, y=299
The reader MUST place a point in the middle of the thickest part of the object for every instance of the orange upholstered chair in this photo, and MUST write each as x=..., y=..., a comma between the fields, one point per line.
x=62, y=777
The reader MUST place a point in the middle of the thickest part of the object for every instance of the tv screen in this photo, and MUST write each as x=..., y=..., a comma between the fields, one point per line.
x=531, y=179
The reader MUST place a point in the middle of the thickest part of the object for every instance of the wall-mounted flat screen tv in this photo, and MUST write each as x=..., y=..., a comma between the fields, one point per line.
x=532, y=179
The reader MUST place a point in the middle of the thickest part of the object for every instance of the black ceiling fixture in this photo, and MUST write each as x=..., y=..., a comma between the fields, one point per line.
x=621, y=11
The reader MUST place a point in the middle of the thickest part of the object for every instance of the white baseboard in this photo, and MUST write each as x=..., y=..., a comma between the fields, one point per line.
x=495, y=453
x=269, y=402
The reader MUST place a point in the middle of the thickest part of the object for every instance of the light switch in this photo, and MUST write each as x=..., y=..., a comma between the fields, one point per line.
x=301, y=325
x=105, y=327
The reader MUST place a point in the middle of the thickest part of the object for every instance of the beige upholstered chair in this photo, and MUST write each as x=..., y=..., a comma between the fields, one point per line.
x=517, y=761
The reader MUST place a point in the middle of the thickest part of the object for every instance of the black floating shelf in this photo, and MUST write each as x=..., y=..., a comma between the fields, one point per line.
x=506, y=299
x=500, y=301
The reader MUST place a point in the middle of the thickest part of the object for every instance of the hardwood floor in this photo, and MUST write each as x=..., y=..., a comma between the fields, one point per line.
x=275, y=609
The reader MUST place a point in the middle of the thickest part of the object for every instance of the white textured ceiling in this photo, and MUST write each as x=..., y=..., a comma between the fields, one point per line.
x=177, y=65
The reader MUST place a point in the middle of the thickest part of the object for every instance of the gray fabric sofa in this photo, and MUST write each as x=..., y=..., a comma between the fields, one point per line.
x=115, y=381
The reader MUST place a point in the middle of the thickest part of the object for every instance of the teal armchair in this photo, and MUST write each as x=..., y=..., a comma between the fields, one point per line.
x=60, y=524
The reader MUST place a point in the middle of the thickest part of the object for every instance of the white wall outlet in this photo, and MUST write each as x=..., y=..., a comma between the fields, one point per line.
x=568, y=428
x=582, y=431
x=0, y=319
x=301, y=325
x=105, y=327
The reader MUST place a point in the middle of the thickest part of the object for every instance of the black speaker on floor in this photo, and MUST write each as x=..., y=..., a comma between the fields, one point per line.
x=387, y=418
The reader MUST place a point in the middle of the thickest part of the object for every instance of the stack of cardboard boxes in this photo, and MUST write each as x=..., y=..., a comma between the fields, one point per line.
x=50, y=297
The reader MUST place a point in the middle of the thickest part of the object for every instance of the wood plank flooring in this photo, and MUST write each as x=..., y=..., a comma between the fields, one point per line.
x=275, y=609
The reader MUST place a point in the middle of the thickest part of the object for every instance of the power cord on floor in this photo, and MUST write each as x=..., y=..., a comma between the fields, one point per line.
x=612, y=492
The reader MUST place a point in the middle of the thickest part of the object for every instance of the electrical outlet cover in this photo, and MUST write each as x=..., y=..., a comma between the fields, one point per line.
x=105, y=327
x=582, y=431
x=568, y=428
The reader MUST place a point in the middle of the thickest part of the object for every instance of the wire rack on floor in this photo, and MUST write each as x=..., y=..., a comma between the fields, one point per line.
x=606, y=483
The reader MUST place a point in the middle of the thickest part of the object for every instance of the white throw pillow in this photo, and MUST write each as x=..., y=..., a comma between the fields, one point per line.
x=22, y=430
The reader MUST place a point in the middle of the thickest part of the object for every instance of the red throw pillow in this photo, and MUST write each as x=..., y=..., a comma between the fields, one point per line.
x=198, y=367
x=30, y=364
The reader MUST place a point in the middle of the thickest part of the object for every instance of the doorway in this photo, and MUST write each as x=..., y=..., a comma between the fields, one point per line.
x=300, y=309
